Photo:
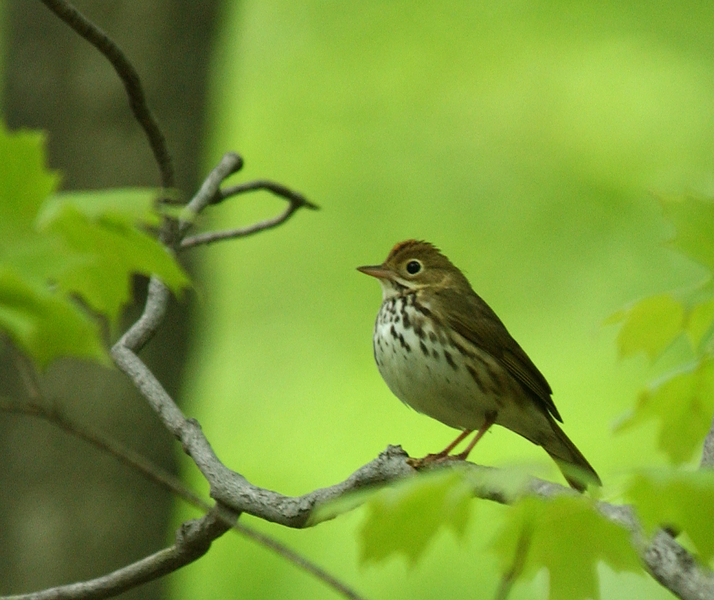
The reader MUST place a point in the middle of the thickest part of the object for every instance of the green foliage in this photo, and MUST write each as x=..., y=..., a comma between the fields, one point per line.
x=684, y=404
x=104, y=248
x=680, y=499
x=43, y=323
x=567, y=536
x=683, y=400
x=57, y=248
x=649, y=326
x=402, y=519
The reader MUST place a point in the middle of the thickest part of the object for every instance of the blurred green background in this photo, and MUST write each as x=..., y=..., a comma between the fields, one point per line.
x=526, y=139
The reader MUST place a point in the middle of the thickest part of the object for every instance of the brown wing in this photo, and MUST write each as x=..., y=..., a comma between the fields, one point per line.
x=476, y=321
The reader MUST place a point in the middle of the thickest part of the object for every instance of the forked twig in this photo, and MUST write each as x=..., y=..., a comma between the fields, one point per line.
x=295, y=201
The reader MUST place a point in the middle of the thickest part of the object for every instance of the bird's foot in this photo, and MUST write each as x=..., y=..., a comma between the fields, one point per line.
x=431, y=459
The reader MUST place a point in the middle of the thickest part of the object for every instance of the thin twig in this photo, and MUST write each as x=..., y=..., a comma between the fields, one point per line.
x=130, y=78
x=122, y=453
x=230, y=234
x=27, y=374
x=229, y=164
x=263, y=184
x=295, y=201
x=519, y=561
x=299, y=561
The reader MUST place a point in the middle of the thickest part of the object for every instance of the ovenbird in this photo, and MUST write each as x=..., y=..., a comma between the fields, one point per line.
x=443, y=351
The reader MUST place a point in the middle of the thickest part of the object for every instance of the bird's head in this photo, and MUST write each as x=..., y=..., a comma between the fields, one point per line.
x=413, y=266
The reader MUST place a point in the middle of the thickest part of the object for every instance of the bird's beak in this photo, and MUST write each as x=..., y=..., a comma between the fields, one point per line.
x=377, y=271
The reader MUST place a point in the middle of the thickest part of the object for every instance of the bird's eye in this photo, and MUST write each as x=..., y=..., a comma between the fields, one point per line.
x=413, y=267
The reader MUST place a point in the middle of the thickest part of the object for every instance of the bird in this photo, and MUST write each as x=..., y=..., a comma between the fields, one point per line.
x=444, y=352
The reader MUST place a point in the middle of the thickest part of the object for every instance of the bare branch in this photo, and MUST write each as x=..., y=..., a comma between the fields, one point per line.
x=122, y=453
x=229, y=164
x=270, y=186
x=217, y=236
x=193, y=539
x=295, y=200
x=130, y=78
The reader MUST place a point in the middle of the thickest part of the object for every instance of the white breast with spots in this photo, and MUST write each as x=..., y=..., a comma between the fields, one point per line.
x=426, y=369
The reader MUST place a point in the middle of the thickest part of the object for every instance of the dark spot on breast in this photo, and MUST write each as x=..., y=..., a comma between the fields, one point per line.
x=407, y=320
x=402, y=341
x=422, y=309
x=424, y=349
x=450, y=360
x=475, y=376
x=435, y=354
x=432, y=336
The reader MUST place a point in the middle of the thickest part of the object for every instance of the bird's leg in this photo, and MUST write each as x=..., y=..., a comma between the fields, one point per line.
x=417, y=463
x=452, y=445
x=490, y=420
x=430, y=458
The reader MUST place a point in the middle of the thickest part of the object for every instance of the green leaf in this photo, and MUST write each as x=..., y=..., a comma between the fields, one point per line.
x=55, y=247
x=680, y=499
x=403, y=519
x=649, y=326
x=130, y=206
x=105, y=253
x=567, y=536
x=39, y=320
x=683, y=402
x=25, y=182
x=44, y=324
x=693, y=220
x=699, y=322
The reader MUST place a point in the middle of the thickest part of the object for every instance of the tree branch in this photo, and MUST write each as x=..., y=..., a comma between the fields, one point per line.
x=295, y=201
x=263, y=184
x=210, y=188
x=129, y=77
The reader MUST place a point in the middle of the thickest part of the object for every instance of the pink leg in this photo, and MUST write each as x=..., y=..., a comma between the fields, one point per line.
x=490, y=419
x=456, y=442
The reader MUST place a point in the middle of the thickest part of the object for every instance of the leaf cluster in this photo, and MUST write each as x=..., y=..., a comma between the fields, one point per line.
x=68, y=258
x=681, y=400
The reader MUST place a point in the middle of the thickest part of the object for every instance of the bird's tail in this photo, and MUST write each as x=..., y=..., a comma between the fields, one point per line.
x=577, y=471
